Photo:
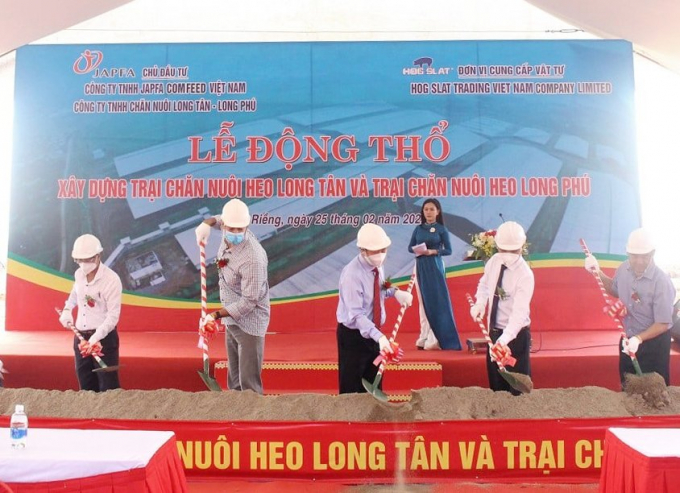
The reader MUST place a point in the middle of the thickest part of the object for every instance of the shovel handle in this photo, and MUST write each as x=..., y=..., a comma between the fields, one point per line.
x=80, y=337
x=607, y=299
x=485, y=331
x=210, y=382
x=203, y=341
x=397, y=324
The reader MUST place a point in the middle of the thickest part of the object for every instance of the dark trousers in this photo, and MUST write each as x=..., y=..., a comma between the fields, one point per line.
x=653, y=355
x=355, y=360
x=98, y=381
x=520, y=347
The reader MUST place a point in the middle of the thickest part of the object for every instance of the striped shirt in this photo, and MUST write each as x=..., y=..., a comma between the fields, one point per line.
x=98, y=302
x=244, y=287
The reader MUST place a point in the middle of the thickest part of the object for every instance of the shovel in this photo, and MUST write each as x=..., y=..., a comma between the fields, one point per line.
x=373, y=388
x=103, y=367
x=209, y=381
x=603, y=290
x=518, y=381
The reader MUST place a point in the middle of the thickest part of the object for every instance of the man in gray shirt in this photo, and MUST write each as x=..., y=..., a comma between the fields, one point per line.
x=244, y=293
x=647, y=293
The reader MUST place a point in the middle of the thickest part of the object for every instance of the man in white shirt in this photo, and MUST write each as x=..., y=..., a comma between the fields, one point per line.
x=506, y=289
x=96, y=292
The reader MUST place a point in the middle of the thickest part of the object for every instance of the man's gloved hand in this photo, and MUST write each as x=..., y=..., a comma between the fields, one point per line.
x=66, y=318
x=202, y=233
x=501, y=353
x=616, y=309
x=631, y=345
x=591, y=264
x=404, y=298
x=87, y=349
x=207, y=326
x=477, y=312
x=385, y=346
x=2, y=370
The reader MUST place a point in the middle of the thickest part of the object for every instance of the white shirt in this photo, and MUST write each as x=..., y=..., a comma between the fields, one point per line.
x=518, y=286
x=98, y=302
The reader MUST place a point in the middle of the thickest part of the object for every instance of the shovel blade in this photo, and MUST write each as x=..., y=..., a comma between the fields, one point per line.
x=374, y=390
x=380, y=395
x=367, y=385
x=106, y=369
x=210, y=382
x=518, y=381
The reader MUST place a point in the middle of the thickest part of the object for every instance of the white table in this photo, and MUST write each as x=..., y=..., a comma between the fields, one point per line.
x=103, y=456
x=641, y=459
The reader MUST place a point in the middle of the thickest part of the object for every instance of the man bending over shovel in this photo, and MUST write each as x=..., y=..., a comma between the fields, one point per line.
x=361, y=310
x=647, y=294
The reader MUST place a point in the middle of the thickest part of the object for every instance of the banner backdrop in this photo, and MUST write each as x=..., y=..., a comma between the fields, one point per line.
x=137, y=144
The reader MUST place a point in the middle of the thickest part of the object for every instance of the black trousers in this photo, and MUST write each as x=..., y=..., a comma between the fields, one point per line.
x=98, y=381
x=355, y=360
x=653, y=355
x=521, y=349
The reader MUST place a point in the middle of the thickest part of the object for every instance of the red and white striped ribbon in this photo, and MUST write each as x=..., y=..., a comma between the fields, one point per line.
x=397, y=324
x=202, y=341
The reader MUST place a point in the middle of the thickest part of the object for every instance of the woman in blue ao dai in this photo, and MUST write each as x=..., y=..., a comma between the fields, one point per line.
x=431, y=242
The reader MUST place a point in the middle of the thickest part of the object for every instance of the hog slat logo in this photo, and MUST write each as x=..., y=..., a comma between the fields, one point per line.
x=424, y=66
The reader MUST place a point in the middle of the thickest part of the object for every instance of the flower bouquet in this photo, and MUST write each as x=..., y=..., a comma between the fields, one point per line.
x=484, y=246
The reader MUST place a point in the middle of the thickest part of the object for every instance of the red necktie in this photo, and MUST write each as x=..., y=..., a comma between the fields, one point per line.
x=377, y=314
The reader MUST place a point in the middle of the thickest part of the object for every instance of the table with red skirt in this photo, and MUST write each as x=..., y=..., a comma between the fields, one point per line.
x=93, y=461
x=641, y=460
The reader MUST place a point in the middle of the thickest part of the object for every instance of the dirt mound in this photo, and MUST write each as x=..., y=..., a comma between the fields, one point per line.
x=445, y=403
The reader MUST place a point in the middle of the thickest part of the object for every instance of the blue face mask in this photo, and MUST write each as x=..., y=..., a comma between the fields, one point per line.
x=234, y=238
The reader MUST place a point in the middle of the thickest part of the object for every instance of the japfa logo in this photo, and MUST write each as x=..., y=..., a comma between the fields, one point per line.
x=424, y=66
x=89, y=61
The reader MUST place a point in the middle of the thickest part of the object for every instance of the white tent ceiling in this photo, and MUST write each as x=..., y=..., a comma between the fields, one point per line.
x=649, y=25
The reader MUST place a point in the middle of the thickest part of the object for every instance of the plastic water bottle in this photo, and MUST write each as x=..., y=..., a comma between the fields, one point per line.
x=18, y=427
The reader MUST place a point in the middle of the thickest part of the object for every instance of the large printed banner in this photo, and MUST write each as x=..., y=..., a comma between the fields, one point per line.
x=562, y=450
x=138, y=143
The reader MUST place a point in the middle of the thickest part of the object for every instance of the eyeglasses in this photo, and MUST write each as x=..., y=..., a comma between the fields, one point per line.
x=90, y=260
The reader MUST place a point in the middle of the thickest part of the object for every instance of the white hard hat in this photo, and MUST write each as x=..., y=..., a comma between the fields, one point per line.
x=510, y=236
x=372, y=237
x=235, y=214
x=640, y=242
x=86, y=246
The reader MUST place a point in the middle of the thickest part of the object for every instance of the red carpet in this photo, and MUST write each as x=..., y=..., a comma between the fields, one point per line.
x=44, y=360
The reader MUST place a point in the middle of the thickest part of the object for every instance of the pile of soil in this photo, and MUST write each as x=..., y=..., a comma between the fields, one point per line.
x=444, y=403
